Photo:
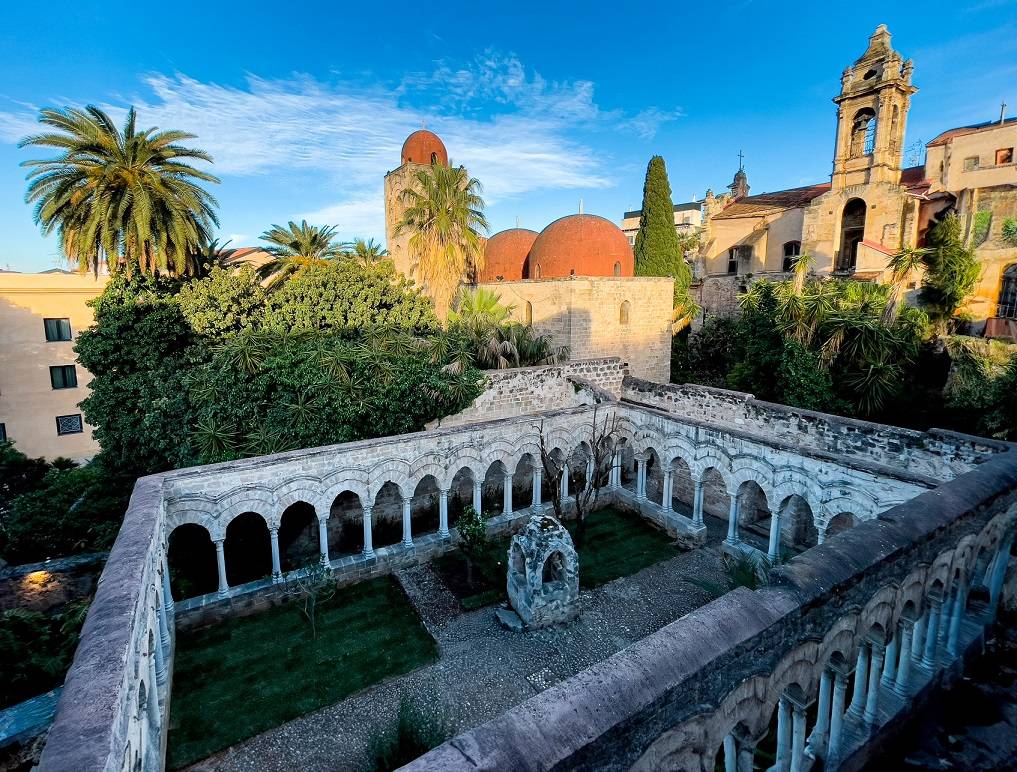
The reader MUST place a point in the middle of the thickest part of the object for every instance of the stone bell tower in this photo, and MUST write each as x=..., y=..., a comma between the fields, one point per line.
x=420, y=149
x=872, y=112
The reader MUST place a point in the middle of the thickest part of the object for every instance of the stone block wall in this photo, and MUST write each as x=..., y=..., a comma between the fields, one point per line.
x=937, y=453
x=526, y=390
x=600, y=316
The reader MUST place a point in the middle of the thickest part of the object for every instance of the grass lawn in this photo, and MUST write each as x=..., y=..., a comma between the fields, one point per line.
x=616, y=544
x=244, y=676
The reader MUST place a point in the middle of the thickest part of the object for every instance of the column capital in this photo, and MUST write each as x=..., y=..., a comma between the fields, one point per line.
x=273, y=529
x=367, y=507
x=219, y=542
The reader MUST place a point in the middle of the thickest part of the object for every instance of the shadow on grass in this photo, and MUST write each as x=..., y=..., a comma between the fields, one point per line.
x=250, y=674
x=616, y=544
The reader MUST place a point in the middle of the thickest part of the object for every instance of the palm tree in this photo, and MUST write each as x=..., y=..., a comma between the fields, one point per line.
x=444, y=215
x=296, y=246
x=365, y=252
x=902, y=265
x=120, y=197
x=480, y=307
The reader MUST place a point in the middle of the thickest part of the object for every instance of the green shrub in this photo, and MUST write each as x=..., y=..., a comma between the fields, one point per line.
x=981, y=224
x=224, y=303
x=416, y=732
x=1009, y=231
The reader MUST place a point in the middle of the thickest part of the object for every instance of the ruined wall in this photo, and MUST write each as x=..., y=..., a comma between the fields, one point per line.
x=525, y=390
x=586, y=314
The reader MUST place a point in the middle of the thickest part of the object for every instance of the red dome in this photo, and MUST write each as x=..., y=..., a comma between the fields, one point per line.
x=424, y=147
x=505, y=255
x=581, y=245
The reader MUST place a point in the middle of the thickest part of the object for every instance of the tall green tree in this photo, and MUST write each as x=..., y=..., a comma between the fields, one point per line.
x=295, y=247
x=951, y=271
x=120, y=197
x=444, y=216
x=658, y=249
x=369, y=251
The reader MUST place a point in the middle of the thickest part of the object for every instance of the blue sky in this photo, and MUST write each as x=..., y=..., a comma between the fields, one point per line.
x=305, y=106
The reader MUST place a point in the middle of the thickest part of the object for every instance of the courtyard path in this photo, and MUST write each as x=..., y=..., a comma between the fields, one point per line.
x=483, y=669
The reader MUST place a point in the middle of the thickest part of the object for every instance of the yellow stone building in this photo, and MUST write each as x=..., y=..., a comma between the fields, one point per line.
x=41, y=382
x=873, y=205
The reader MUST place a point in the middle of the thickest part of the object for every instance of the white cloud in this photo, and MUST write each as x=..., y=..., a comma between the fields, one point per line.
x=515, y=131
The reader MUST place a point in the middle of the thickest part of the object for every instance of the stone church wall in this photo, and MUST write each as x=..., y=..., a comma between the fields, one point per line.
x=600, y=317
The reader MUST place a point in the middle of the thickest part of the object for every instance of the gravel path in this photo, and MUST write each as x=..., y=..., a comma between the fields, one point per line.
x=483, y=669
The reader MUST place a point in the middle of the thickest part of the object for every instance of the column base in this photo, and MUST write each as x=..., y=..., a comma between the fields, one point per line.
x=445, y=534
x=407, y=544
x=277, y=578
x=367, y=554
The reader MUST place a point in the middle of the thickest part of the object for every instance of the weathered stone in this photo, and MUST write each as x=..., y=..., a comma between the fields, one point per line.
x=543, y=573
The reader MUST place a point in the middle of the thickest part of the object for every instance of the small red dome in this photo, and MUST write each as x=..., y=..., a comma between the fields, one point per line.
x=581, y=245
x=505, y=255
x=424, y=147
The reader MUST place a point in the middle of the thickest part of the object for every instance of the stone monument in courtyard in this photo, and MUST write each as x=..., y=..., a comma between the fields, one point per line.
x=543, y=573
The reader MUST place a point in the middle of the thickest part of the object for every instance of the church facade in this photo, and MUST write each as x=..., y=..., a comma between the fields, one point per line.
x=873, y=205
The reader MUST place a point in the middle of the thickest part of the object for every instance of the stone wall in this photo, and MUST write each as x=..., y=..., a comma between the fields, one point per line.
x=938, y=454
x=526, y=390
x=600, y=317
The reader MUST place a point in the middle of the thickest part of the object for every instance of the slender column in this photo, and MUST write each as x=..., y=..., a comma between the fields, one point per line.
x=506, y=495
x=875, y=670
x=890, y=663
x=918, y=641
x=820, y=533
x=903, y=681
x=443, y=513
x=932, y=633
x=407, y=522
x=730, y=754
x=640, y=478
x=697, y=503
x=783, y=734
x=538, y=479
x=945, y=619
x=666, y=496
x=220, y=560
x=836, y=717
x=368, y=532
x=323, y=539
x=167, y=591
x=478, y=504
x=155, y=720
x=998, y=574
x=732, y=521
x=861, y=681
x=564, y=491
x=273, y=535
x=956, y=618
x=615, y=479
x=774, y=545
x=160, y=664
x=797, y=736
x=589, y=473
x=817, y=740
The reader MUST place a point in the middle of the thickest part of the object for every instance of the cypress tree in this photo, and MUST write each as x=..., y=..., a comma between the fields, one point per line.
x=658, y=250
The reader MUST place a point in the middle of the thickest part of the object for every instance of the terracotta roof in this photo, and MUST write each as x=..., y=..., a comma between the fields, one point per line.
x=691, y=206
x=753, y=206
x=949, y=134
x=424, y=147
x=877, y=246
x=581, y=245
x=506, y=254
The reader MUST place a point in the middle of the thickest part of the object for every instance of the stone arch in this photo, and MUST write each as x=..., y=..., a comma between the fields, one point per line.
x=553, y=570
x=716, y=498
x=522, y=480
x=547, y=485
x=753, y=507
x=493, y=488
x=852, y=232
x=395, y=472
x=467, y=457
x=654, y=476
x=192, y=563
x=683, y=487
x=354, y=481
x=346, y=524
x=797, y=526
x=424, y=509
x=298, y=536
x=623, y=312
x=577, y=461
x=248, y=549
x=842, y=521
x=710, y=457
x=387, y=515
x=460, y=493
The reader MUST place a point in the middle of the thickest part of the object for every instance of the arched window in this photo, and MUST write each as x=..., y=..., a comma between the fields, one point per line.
x=1007, y=308
x=617, y=269
x=791, y=250
x=434, y=158
x=623, y=313
x=863, y=132
x=536, y=271
x=852, y=232
x=528, y=313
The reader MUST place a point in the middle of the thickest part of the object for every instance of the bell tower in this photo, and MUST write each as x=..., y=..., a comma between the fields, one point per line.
x=872, y=110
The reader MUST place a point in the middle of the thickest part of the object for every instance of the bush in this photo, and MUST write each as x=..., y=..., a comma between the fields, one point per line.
x=226, y=302
x=1009, y=231
x=416, y=732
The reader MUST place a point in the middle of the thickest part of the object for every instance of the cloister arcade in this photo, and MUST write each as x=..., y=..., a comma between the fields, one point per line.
x=259, y=533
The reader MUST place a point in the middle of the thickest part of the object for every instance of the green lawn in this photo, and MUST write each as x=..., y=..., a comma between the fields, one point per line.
x=244, y=676
x=616, y=544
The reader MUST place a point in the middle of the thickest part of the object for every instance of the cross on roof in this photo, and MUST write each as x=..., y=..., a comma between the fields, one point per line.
x=741, y=159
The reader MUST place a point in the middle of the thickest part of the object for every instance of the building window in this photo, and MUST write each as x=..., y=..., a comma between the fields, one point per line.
x=536, y=271
x=863, y=132
x=971, y=163
x=69, y=424
x=617, y=269
x=528, y=313
x=57, y=329
x=63, y=377
x=1006, y=307
x=623, y=314
x=791, y=250
x=1004, y=156
x=3, y=432
x=632, y=241
x=736, y=256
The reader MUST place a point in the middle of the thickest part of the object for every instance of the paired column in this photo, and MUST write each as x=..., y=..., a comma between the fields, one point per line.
x=998, y=574
x=506, y=504
x=407, y=522
x=797, y=735
x=697, y=503
x=323, y=538
x=641, y=479
x=443, y=514
x=538, y=480
x=918, y=639
x=220, y=561
x=164, y=638
x=732, y=520
x=818, y=738
x=820, y=533
x=890, y=663
x=563, y=490
x=836, y=717
x=167, y=591
x=368, y=532
x=477, y=502
x=875, y=671
x=957, y=618
x=861, y=682
x=774, y=545
x=932, y=633
x=902, y=682
x=160, y=663
x=667, y=496
x=783, y=734
x=730, y=754
x=273, y=535
x=615, y=470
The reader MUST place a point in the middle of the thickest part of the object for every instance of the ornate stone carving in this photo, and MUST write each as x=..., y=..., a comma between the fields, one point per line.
x=543, y=573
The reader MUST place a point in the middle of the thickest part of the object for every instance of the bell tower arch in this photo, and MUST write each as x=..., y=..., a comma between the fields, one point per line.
x=872, y=110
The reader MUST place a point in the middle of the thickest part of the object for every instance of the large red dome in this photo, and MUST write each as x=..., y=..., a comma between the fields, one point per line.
x=581, y=245
x=424, y=147
x=505, y=255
